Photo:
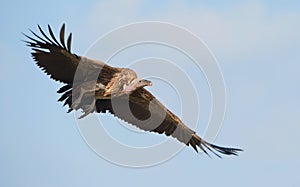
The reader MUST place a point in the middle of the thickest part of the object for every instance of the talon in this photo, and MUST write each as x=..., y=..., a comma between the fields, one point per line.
x=83, y=115
x=75, y=105
x=87, y=109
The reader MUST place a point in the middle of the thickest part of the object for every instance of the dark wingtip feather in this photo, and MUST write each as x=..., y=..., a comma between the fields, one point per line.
x=53, y=36
x=69, y=42
x=194, y=147
x=226, y=150
x=38, y=36
x=68, y=101
x=30, y=38
x=65, y=96
x=62, y=36
x=64, y=88
x=43, y=33
x=204, y=146
x=211, y=150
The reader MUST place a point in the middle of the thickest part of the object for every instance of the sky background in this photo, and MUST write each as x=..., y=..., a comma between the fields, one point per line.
x=257, y=44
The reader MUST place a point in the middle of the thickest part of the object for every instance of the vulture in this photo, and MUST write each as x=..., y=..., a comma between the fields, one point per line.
x=94, y=86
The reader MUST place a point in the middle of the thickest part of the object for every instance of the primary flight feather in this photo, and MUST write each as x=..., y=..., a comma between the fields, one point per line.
x=93, y=86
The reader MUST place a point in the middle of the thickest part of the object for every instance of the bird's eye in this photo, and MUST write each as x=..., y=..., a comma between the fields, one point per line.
x=140, y=81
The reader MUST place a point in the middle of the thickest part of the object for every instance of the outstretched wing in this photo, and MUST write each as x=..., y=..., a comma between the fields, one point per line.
x=54, y=57
x=57, y=60
x=143, y=110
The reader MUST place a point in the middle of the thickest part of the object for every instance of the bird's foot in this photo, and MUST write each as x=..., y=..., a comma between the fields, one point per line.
x=75, y=104
x=87, y=109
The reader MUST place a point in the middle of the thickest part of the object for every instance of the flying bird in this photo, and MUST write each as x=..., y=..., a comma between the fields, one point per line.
x=94, y=86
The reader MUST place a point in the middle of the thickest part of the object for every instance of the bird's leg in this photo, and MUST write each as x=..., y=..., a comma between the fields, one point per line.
x=84, y=89
x=86, y=92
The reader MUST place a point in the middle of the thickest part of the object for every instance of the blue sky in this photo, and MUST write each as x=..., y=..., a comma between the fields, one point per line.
x=257, y=46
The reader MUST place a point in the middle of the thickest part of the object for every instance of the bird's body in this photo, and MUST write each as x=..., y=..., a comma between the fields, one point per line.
x=93, y=86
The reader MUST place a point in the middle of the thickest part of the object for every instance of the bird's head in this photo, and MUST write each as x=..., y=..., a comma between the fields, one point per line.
x=135, y=84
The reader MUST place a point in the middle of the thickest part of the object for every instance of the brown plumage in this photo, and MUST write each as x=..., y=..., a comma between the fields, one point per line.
x=98, y=87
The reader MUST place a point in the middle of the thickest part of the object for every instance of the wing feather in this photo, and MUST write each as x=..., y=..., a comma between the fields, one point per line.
x=53, y=37
x=57, y=60
x=47, y=38
x=69, y=42
x=62, y=36
x=52, y=57
x=171, y=125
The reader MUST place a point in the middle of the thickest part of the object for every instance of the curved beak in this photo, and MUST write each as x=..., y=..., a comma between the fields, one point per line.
x=147, y=83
